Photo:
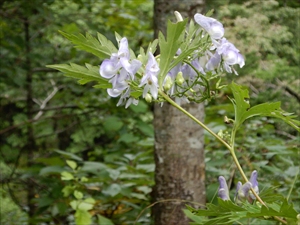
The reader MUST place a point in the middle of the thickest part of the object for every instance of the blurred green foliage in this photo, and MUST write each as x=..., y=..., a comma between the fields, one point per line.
x=86, y=148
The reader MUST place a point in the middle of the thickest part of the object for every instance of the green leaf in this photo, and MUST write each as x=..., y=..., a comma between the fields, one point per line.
x=69, y=155
x=113, y=174
x=44, y=201
x=112, y=123
x=74, y=204
x=169, y=47
x=85, y=73
x=78, y=194
x=281, y=209
x=66, y=176
x=103, y=85
x=87, y=204
x=71, y=164
x=94, y=167
x=82, y=217
x=103, y=220
x=128, y=138
x=67, y=190
x=51, y=169
x=102, y=48
x=112, y=190
x=136, y=94
x=227, y=212
x=244, y=112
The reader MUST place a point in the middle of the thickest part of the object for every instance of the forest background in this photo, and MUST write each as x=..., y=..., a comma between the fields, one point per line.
x=57, y=137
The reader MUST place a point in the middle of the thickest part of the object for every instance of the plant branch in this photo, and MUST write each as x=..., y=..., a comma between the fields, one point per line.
x=230, y=148
x=46, y=100
x=168, y=99
x=165, y=200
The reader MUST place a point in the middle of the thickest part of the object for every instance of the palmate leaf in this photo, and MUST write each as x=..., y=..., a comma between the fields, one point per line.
x=280, y=209
x=227, y=212
x=85, y=73
x=243, y=111
x=169, y=46
x=101, y=47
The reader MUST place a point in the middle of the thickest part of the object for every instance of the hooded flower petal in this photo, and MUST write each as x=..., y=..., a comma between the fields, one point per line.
x=124, y=49
x=150, y=78
x=243, y=192
x=223, y=189
x=213, y=62
x=253, y=181
x=238, y=187
x=108, y=68
x=114, y=92
x=213, y=27
x=230, y=55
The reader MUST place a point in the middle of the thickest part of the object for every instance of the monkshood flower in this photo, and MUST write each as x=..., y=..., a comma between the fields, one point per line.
x=121, y=60
x=253, y=181
x=230, y=55
x=213, y=27
x=189, y=72
x=150, y=77
x=213, y=62
x=119, y=69
x=223, y=192
x=238, y=187
x=242, y=192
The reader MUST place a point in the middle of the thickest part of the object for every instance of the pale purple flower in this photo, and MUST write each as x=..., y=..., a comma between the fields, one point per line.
x=189, y=73
x=125, y=97
x=213, y=62
x=110, y=67
x=230, y=55
x=238, y=187
x=213, y=27
x=150, y=77
x=223, y=191
x=253, y=181
x=120, y=70
x=243, y=192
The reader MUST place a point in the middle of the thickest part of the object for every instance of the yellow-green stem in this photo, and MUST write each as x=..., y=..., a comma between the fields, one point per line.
x=193, y=118
x=230, y=148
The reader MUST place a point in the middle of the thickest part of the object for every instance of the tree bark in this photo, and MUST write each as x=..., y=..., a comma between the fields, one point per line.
x=179, y=142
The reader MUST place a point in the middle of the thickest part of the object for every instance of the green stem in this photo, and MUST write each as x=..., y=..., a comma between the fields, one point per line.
x=168, y=99
x=230, y=148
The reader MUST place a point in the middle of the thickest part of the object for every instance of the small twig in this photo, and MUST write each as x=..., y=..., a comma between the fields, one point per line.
x=46, y=100
x=165, y=200
x=33, y=121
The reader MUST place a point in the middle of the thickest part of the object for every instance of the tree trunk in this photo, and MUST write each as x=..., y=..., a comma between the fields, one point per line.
x=179, y=142
x=31, y=146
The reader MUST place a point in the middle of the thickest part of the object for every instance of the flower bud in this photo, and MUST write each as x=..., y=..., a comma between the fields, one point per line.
x=168, y=83
x=178, y=16
x=226, y=120
x=148, y=98
x=220, y=134
x=139, y=57
x=179, y=78
x=238, y=187
x=223, y=189
x=254, y=183
x=243, y=192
